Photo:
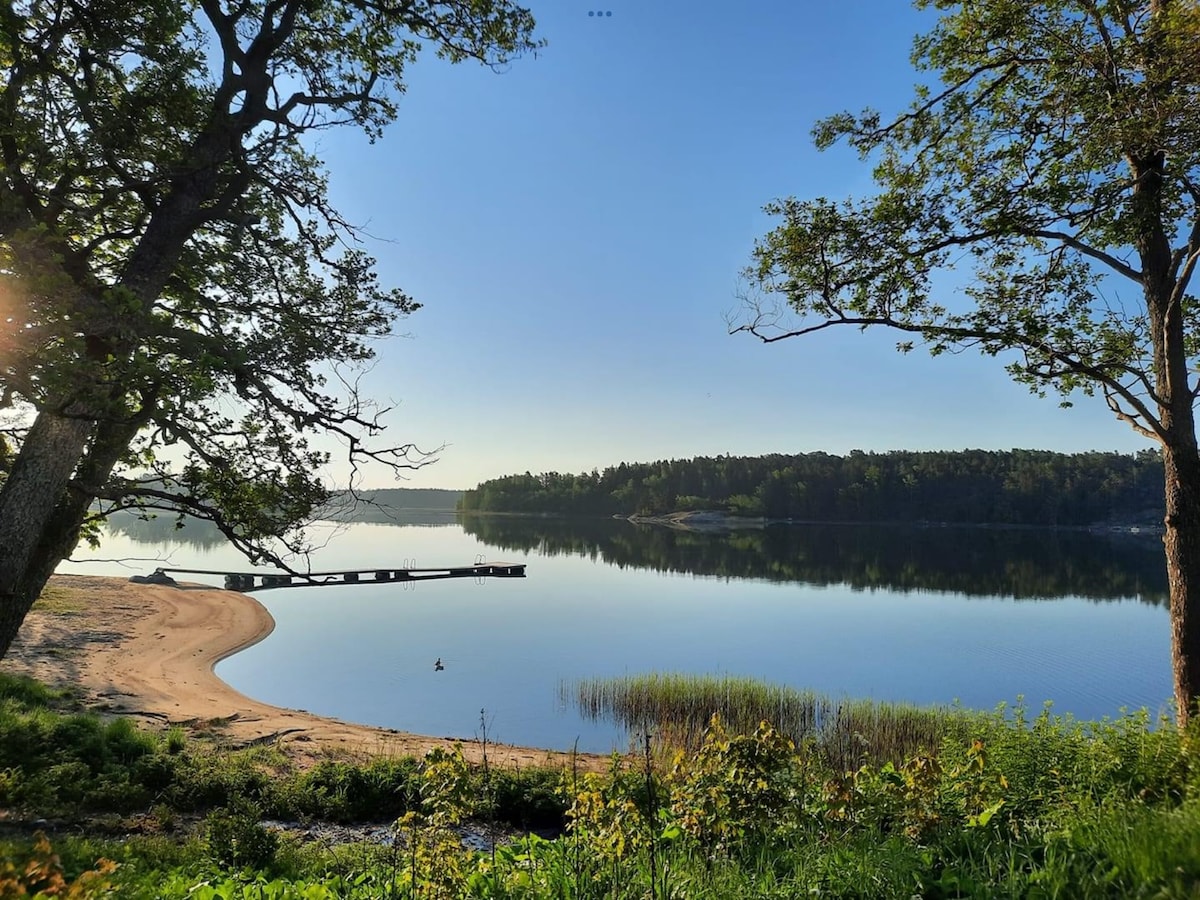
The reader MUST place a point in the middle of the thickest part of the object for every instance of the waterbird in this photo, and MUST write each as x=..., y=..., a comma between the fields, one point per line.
x=437, y=666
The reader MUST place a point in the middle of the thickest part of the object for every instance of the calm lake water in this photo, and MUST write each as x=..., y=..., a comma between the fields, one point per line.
x=926, y=615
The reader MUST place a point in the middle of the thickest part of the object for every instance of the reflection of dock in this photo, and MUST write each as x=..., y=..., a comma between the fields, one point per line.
x=257, y=581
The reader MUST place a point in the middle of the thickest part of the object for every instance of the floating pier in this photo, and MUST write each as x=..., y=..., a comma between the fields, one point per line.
x=258, y=581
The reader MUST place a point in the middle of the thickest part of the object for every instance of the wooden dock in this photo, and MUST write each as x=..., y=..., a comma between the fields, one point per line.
x=258, y=581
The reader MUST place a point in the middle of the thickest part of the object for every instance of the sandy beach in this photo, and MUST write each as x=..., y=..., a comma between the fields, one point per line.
x=148, y=651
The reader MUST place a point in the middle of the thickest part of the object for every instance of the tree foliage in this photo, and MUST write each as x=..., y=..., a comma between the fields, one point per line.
x=175, y=280
x=1053, y=165
x=183, y=308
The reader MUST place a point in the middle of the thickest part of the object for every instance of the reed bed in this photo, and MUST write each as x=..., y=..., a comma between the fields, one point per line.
x=676, y=710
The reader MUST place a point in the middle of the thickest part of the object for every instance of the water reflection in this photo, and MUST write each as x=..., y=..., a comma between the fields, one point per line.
x=196, y=534
x=904, y=614
x=1023, y=564
x=199, y=534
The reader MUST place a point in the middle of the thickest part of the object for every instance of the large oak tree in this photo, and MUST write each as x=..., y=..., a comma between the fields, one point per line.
x=1052, y=162
x=181, y=308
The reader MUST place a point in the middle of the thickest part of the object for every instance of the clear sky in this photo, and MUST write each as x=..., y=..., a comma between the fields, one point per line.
x=576, y=225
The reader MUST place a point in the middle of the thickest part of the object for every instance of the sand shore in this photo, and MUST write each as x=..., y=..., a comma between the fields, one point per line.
x=148, y=651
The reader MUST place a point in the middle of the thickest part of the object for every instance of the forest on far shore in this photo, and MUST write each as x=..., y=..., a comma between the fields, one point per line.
x=1007, y=487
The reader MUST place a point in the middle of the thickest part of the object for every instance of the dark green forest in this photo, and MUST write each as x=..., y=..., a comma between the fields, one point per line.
x=1012, y=487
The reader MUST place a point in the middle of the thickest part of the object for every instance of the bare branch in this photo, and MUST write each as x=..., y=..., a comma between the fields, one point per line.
x=1087, y=250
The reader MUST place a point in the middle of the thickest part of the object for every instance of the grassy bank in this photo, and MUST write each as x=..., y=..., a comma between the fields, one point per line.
x=1003, y=805
x=57, y=761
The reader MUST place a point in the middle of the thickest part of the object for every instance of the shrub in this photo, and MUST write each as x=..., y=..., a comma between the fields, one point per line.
x=381, y=790
x=41, y=874
x=237, y=840
x=526, y=798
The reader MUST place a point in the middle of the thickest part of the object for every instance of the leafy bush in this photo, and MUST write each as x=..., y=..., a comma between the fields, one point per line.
x=236, y=840
x=41, y=874
x=383, y=789
x=525, y=798
x=206, y=780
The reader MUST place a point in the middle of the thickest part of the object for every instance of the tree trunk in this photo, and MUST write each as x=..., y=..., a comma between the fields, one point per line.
x=35, y=487
x=60, y=522
x=1182, y=544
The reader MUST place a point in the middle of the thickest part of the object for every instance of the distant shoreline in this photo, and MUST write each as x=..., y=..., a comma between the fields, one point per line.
x=716, y=520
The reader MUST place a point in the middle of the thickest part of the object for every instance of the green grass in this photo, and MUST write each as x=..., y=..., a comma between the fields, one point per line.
x=60, y=602
x=27, y=693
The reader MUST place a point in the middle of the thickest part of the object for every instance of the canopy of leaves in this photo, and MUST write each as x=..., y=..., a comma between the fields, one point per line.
x=1052, y=167
x=171, y=267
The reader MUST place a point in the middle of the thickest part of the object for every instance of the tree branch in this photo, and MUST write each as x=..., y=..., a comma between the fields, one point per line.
x=1012, y=339
x=1087, y=250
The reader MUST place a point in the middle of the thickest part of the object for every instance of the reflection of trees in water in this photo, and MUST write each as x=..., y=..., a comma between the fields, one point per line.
x=1025, y=564
x=197, y=534
x=383, y=515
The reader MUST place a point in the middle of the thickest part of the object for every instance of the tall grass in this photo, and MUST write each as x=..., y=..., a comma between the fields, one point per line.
x=677, y=708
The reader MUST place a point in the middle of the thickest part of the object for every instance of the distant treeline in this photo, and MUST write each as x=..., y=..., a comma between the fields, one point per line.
x=1017, y=487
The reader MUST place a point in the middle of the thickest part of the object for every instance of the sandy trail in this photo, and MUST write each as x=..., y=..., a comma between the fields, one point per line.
x=148, y=651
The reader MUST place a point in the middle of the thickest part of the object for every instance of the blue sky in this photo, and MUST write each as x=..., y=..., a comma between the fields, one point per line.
x=576, y=225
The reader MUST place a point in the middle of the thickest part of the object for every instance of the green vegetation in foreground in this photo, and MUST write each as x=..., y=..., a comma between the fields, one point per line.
x=1002, y=806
